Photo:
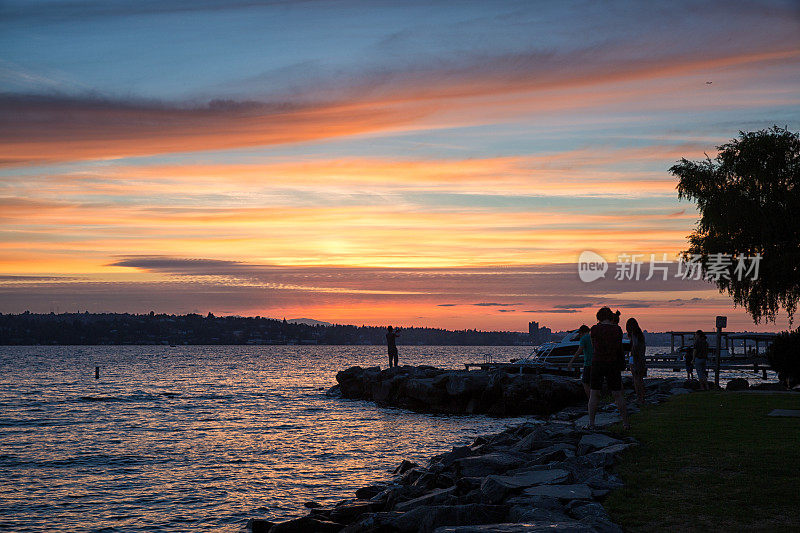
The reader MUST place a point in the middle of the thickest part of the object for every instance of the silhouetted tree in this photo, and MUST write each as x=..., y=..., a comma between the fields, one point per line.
x=784, y=357
x=749, y=202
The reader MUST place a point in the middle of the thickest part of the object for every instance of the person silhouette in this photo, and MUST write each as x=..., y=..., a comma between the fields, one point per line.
x=607, y=355
x=391, y=338
x=638, y=363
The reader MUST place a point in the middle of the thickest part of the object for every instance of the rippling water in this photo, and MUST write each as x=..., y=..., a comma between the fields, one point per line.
x=201, y=438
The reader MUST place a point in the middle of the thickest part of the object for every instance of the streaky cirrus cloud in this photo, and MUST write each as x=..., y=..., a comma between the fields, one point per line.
x=393, y=294
x=40, y=129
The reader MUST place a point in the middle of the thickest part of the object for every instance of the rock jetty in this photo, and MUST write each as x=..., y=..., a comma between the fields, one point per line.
x=430, y=389
x=546, y=475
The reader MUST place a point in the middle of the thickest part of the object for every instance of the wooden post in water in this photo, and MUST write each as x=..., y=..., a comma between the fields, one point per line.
x=722, y=321
x=97, y=372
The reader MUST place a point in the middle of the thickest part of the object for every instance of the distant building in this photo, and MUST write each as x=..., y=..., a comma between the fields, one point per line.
x=538, y=333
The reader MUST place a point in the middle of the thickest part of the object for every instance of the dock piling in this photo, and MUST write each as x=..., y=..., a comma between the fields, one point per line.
x=722, y=321
x=97, y=372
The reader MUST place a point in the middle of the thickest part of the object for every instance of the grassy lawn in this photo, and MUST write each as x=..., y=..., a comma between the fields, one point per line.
x=712, y=461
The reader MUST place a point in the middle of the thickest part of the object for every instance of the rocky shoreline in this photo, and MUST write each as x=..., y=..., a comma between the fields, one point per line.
x=548, y=474
x=430, y=389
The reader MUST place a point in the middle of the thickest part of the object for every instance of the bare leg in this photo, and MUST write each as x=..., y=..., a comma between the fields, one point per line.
x=638, y=385
x=594, y=398
x=619, y=398
x=587, y=389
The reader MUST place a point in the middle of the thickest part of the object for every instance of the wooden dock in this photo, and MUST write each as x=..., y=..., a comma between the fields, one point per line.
x=751, y=358
x=660, y=361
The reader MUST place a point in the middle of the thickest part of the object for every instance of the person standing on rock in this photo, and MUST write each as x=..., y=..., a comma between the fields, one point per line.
x=607, y=354
x=584, y=348
x=638, y=364
x=391, y=343
x=700, y=353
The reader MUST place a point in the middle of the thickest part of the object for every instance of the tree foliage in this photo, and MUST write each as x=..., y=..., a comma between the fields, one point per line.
x=784, y=357
x=749, y=202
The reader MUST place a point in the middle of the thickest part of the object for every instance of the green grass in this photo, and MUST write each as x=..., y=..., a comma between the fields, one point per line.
x=711, y=461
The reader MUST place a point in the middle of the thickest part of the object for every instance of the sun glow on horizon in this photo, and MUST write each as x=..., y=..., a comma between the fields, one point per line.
x=394, y=168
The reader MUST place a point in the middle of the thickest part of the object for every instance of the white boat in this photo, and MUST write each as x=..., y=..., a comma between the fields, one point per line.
x=560, y=352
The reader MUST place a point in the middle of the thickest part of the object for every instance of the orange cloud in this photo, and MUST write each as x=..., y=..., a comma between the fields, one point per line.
x=43, y=129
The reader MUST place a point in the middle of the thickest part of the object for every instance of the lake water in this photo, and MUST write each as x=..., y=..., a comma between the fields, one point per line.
x=201, y=438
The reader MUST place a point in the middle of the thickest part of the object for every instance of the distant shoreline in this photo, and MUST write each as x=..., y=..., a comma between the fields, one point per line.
x=125, y=329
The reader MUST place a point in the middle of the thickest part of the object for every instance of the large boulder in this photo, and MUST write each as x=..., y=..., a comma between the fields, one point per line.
x=738, y=384
x=494, y=488
x=691, y=384
x=594, y=515
x=447, y=458
x=484, y=465
x=305, y=525
x=595, y=441
x=542, y=395
x=556, y=452
x=467, y=383
x=348, y=510
x=425, y=519
x=370, y=491
x=436, y=497
x=578, y=491
x=609, y=453
x=356, y=382
x=570, y=526
x=536, y=515
x=383, y=522
x=258, y=525
x=769, y=386
x=601, y=420
x=387, y=390
x=426, y=388
x=558, y=391
x=423, y=393
x=536, y=439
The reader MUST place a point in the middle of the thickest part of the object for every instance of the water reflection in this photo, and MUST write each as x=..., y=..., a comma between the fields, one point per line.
x=199, y=438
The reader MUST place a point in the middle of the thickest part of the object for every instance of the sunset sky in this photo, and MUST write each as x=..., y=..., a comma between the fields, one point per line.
x=414, y=163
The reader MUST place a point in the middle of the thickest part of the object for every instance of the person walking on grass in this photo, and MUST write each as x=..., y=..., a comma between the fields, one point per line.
x=700, y=353
x=607, y=361
x=391, y=343
x=638, y=364
x=584, y=349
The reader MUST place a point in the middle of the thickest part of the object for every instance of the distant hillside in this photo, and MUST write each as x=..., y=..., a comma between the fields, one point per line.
x=308, y=322
x=124, y=328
